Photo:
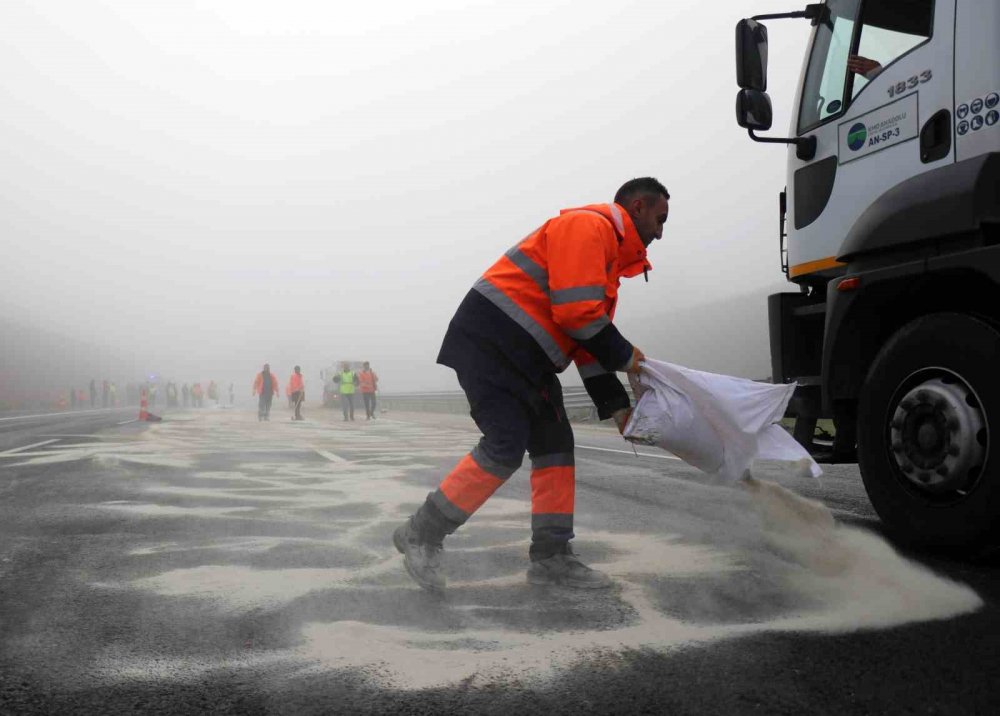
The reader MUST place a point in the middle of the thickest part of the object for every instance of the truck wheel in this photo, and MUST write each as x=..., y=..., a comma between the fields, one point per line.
x=929, y=463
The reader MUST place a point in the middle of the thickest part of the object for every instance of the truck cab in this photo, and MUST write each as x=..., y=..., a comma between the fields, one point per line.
x=890, y=229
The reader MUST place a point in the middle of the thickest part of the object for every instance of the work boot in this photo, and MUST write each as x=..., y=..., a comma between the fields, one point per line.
x=565, y=569
x=421, y=559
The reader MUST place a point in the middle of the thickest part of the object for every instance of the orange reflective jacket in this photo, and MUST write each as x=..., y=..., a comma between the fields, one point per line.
x=258, y=383
x=367, y=380
x=561, y=282
x=295, y=383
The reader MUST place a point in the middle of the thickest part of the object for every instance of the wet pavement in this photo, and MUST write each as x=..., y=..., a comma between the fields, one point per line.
x=213, y=563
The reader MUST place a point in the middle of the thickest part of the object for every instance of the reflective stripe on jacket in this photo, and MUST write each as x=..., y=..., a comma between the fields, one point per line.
x=560, y=284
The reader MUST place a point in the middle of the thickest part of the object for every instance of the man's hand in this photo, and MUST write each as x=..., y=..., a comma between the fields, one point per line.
x=621, y=418
x=637, y=358
x=637, y=387
x=863, y=66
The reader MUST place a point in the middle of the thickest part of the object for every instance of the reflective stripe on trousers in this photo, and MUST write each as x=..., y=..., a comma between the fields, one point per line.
x=511, y=426
x=553, y=491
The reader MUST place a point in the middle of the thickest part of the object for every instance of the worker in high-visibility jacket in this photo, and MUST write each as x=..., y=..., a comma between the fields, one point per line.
x=368, y=383
x=265, y=385
x=548, y=301
x=298, y=388
x=347, y=379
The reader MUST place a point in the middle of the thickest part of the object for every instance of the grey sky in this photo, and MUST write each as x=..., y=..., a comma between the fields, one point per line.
x=213, y=184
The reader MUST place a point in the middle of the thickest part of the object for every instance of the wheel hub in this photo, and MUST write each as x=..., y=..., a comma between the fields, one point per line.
x=938, y=435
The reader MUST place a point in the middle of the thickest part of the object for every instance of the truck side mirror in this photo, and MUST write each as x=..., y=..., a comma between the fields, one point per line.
x=753, y=110
x=751, y=55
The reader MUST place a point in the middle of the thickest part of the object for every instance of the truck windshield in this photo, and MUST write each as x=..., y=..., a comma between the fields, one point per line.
x=823, y=93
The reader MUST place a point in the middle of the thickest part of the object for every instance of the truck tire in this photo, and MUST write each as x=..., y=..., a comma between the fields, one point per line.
x=929, y=460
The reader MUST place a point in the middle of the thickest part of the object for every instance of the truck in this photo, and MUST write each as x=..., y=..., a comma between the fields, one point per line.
x=889, y=226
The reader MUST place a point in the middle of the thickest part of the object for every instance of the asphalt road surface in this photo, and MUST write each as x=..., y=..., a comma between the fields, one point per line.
x=215, y=564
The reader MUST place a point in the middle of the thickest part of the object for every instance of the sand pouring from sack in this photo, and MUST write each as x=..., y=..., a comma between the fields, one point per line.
x=861, y=579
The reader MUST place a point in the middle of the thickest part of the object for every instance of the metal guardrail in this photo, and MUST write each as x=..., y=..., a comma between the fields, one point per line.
x=579, y=406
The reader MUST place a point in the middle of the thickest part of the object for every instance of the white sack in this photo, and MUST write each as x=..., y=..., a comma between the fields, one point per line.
x=717, y=423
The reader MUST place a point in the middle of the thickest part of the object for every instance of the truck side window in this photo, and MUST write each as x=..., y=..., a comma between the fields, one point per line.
x=826, y=77
x=889, y=30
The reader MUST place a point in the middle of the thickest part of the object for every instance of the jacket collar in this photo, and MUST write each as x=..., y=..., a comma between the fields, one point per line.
x=632, y=259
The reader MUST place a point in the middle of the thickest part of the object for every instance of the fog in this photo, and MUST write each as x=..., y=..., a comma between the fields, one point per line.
x=193, y=188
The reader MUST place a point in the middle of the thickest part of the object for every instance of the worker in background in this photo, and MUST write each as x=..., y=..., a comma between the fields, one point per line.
x=114, y=395
x=297, y=386
x=232, y=395
x=197, y=395
x=93, y=393
x=265, y=385
x=368, y=384
x=185, y=394
x=105, y=394
x=548, y=301
x=348, y=381
x=213, y=392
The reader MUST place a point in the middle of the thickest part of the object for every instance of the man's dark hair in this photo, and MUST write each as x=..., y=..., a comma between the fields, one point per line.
x=635, y=188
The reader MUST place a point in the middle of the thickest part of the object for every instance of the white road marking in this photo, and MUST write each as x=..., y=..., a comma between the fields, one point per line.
x=126, y=422
x=629, y=452
x=52, y=415
x=330, y=456
x=69, y=435
x=28, y=447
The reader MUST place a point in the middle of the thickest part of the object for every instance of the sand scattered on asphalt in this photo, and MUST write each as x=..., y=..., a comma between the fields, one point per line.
x=850, y=579
x=858, y=580
x=862, y=581
x=244, y=588
x=154, y=510
x=239, y=545
x=483, y=652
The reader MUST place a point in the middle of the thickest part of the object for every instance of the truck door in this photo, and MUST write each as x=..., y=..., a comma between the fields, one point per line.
x=879, y=73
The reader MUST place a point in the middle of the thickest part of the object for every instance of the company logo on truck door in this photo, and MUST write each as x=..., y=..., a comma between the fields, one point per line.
x=856, y=137
x=881, y=132
x=880, y=129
